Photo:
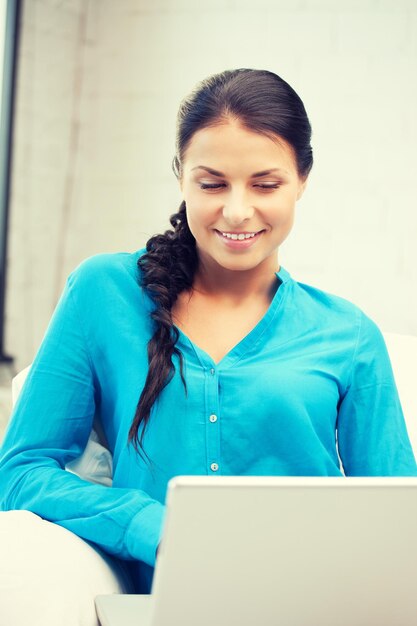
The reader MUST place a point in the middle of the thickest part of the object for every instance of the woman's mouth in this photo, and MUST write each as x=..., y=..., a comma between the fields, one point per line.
x=239, y=240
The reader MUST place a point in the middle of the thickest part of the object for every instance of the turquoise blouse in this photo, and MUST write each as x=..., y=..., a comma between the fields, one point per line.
x=315, y=366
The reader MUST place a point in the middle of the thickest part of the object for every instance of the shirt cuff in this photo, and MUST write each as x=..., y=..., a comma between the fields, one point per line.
x=144, y=533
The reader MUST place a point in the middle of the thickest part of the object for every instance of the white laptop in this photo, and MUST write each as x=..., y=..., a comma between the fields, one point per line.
x=271, y=551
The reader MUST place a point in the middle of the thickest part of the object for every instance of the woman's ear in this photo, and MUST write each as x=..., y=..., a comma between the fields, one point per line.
x=302, y=186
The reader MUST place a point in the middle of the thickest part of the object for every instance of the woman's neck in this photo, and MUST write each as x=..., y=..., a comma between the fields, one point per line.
x=236, y=286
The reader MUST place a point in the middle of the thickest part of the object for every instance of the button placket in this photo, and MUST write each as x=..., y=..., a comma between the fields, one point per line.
x=212, y=420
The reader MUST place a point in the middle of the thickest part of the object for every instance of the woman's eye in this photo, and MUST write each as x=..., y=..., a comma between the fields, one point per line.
x=273, y=186
x=216, y=186
x=207, y=186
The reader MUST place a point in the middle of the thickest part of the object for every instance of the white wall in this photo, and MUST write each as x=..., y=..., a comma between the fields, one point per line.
x=99, y=85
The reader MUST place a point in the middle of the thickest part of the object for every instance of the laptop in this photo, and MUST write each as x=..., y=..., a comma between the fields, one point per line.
x=242, y=551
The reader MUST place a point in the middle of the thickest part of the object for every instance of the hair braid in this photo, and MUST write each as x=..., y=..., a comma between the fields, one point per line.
x=167, y=269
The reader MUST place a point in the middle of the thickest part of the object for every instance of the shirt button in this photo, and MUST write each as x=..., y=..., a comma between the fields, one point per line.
x=213, y=418
x=214, y=467
x=212, y=371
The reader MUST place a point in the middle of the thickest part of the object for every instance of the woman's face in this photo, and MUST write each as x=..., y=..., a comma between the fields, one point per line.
x=240, y=189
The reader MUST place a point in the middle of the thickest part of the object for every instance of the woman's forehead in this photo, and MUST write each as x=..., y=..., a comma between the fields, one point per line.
x=222, y=147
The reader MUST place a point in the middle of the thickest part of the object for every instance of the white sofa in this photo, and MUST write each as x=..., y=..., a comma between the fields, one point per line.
x=403, y=354
x=48, y=575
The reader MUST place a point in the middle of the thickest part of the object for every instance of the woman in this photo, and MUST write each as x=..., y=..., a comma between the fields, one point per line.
x=238, y=368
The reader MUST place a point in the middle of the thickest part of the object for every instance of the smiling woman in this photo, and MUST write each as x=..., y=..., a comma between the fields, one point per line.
x=242, y=162
x=201, y=352
x=249, y=209
x=239, y=217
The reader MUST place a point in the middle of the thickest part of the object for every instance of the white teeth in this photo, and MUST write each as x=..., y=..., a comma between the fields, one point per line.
x=239, y=236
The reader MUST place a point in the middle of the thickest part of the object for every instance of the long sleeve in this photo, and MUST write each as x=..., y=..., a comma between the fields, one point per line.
x=49, y=427
x=372, y=433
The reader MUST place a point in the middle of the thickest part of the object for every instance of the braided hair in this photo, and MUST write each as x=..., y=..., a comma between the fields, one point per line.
x=167, y=269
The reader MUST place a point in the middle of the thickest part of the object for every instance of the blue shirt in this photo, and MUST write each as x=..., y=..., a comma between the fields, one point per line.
x=313, y=366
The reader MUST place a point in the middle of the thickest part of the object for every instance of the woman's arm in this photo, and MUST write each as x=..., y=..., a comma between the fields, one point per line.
x=49, y=427
x=372, y=433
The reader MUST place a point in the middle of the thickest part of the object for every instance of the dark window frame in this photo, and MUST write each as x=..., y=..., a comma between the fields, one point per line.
x=13, y=11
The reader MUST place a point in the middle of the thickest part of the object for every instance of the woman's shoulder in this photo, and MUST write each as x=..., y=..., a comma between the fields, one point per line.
x=331, y=306
x=105, y=267
x=327, y=299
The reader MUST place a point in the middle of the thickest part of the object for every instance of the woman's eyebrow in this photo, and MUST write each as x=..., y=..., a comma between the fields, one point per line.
x=256, y=175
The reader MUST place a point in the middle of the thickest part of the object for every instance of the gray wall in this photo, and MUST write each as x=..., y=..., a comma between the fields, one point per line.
x=98, y=88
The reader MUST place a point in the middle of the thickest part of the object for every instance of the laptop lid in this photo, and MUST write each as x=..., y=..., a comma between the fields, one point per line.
x=291, y=551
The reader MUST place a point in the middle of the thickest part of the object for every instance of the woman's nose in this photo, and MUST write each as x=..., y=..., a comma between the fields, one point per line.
x=237, y=209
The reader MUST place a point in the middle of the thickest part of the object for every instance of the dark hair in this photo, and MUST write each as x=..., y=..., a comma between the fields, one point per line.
x=262, y=102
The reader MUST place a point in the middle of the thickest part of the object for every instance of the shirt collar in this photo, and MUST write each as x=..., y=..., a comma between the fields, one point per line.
x=283, y=275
